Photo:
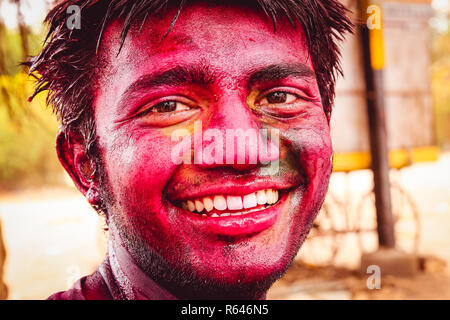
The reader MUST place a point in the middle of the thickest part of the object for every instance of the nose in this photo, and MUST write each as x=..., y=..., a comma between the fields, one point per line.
x=233, y=136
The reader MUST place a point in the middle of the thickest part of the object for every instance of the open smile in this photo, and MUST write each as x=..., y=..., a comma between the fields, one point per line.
x=233, y=215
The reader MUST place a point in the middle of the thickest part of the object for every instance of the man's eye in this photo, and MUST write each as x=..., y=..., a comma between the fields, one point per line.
x=278, y=97
x=168, y=106
x=167, y=113
x=283, y=104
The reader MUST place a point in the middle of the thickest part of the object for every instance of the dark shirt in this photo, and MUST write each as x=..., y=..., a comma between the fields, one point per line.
x=100, y=285
x=117, y=278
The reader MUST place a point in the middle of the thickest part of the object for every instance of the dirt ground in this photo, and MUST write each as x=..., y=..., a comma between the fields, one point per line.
x=53, y=237
x=308, y=282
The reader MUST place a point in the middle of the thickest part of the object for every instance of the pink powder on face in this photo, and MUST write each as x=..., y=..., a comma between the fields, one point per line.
x=229, y=43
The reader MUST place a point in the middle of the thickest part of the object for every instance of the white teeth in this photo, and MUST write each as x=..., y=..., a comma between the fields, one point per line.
x=272, y=196
x=261, y=197
x=199, y=206
x=269, y=196
x=191, y=206
x=250, y=201
x=220, y=203
x=208, y=203
x=234, y=202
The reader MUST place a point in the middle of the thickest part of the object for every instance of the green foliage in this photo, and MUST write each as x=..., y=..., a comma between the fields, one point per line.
x=27, y=153
x=27, y=130
x=12, y=51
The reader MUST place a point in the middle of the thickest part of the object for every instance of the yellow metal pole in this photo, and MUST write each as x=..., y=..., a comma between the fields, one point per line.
x=374, y=22
x=373, y=53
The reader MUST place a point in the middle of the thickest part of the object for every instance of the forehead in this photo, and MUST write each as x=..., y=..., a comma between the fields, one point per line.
x=225, y=38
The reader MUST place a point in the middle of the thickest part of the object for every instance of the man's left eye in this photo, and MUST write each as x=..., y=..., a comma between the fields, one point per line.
x=278, y=97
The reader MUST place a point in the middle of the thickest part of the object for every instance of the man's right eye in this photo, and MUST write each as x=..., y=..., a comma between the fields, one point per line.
x=166, y=106
x=168, y=112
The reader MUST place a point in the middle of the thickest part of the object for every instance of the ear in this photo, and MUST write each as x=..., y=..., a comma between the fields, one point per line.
x=71, y=152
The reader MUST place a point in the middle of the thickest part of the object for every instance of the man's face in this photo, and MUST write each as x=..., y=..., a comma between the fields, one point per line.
x=225, y=67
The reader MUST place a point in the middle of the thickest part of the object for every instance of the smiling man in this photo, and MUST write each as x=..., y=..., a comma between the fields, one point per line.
x=139, y=78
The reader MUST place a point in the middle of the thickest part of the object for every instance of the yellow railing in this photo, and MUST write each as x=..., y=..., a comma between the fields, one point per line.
x=351, y=161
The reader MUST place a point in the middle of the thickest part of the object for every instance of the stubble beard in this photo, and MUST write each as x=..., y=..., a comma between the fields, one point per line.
x=181, y=281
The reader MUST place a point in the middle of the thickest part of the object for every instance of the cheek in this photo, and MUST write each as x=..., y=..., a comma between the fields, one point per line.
x=319, y=164
x=139, y=169
x=316, y=152
x=313, y=149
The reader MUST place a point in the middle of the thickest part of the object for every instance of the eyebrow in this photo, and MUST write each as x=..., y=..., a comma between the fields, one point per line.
x=279, y=72
x=176, y=76
x=203, y=76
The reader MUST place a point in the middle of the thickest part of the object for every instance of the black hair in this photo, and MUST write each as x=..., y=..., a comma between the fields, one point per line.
x=67, y=65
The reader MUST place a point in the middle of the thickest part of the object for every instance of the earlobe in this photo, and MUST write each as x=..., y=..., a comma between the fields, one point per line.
x=93, y=196
x=72, y=155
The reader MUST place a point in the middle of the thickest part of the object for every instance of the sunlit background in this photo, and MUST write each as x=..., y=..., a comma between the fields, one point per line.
x=51, y=236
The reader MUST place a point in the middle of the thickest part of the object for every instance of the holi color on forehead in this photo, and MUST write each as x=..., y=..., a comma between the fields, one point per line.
x=211, y=26
x=207, y=31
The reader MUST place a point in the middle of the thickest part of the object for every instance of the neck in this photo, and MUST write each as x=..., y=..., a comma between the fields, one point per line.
x=133, y=283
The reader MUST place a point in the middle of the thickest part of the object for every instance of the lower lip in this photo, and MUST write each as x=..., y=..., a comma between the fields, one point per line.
x=242, y=225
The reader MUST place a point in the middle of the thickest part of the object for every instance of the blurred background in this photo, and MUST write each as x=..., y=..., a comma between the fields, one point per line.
x=49, y=235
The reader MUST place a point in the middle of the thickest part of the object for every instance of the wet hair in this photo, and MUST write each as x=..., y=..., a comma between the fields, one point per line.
x=68, y=64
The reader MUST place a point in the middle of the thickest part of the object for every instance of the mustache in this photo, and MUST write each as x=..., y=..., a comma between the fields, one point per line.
x=189, y=176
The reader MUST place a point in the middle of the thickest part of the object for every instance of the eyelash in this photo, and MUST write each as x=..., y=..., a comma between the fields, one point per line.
x=299, y=97
x=151, y=109
x=266, y=97
x=179, y=101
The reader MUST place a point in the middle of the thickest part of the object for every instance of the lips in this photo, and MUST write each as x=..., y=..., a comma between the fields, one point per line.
x=229, y=202
x=232, y=215
x=233, y=223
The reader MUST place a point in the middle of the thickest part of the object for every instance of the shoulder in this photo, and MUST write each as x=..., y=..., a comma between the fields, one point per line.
x=91, y=287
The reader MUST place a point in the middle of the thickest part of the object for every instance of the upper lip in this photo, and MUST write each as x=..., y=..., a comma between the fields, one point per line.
x=243, y=185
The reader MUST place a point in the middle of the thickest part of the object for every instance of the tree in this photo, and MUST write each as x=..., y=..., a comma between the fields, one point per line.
x=6, y=102
x=5, y=96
